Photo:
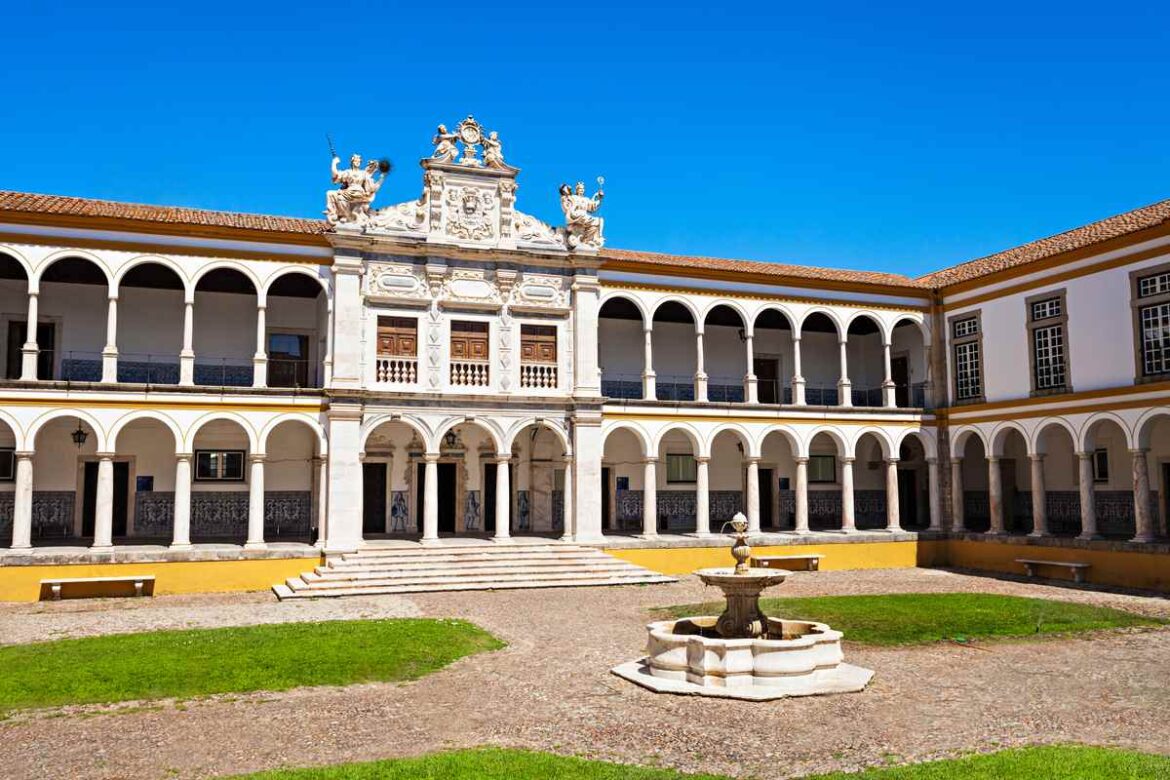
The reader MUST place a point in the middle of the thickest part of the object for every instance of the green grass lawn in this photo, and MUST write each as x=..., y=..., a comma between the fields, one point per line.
x=165, y=664
x=916, y=618
x=1043, y=763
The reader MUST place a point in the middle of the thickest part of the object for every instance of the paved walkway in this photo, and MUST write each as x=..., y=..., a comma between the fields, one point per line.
x=551, y=690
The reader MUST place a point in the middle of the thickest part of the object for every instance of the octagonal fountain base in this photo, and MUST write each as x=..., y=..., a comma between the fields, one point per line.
x=792, y=658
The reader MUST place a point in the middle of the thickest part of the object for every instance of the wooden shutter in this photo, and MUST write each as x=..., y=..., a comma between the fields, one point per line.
x=398, y=336
x=469, y=340
x=538, y=344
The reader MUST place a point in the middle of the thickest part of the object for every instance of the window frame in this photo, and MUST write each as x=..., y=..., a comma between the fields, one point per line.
x=693, y=469
x=1137, y=304
x=832, y=459
x=8, y=454
x=220, y=479
x=1035, y=325
x=1101, y=456
x=959, y=341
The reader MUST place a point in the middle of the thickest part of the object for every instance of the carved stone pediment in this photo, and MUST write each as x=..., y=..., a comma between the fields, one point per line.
x=542, y=291
x=395, y=280
x=467, y=285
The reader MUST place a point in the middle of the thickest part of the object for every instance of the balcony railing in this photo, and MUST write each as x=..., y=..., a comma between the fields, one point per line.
x=677, y=387
x=470, y=373
x=396, y=370
x=623, y=386
x=541, y=376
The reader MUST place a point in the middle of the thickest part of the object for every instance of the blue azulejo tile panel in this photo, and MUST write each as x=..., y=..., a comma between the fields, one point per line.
x=143, y=372
x=676, y=510
x=523, y=511
x=558, y=510
x=229, y=376
x=471, y=511
x=154, y=513
x=824, y=510
x=287, y=513
x=399, y=512
x=78, y=370
x=869, y=509
x=629, y=509
x=52, y=514
x=7, y=506
x=219, y=514
x=722, y=505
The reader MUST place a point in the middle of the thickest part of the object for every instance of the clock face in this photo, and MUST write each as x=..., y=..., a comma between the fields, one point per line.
x=469, y=134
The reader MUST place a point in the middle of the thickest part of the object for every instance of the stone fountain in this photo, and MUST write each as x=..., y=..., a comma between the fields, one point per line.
x=743, y=653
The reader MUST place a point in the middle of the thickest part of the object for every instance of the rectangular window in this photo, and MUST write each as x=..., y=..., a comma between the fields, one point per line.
x=968, y=326
x=1046, y=309
x=822, y=468
x=1101, y=465
x=469, y=340
x=1158, y=284
x=288, y=360
x=1155, y=338
x=1048, y=348
x=538, y=344
x=7, y=464
x=681, y=468
x=219, y=465
x=1048, y=334
x=968, y=382
x=398, y=336
x=1149, y=291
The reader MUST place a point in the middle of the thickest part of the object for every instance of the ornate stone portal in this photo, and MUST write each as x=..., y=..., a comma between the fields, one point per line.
x=743, y=653
x=467, y=200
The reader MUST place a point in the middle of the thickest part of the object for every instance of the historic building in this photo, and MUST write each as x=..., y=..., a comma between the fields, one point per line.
x=232, y=386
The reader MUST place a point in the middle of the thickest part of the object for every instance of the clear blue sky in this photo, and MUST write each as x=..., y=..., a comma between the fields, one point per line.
x=867, y=135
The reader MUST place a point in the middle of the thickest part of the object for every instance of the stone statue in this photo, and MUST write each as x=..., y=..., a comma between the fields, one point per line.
x=581, y=227
x=351, y=201
x=493, y=153
x=445, y=149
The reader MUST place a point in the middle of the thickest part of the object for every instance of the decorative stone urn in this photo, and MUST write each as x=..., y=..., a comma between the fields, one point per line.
x=743, y=653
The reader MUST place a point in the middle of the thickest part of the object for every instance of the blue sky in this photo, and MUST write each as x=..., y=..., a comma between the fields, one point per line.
x=898, y=137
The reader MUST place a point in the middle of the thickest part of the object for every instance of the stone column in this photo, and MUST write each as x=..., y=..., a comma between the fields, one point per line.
x=256, y=504
x=702, y=496
x=844, y=386
x=323, y=496
x=187, y=354
x=700, y=368
x=1088, y=503
x=995, y=494
x=348, y=315
x=22, y=502
x=103, y=521
x=801, y=520
x=503, y=499
x=957, y=505
x=30, y=350
x=848, y=509
x=797, y=378
x=327, y=361
x=586, y=463
x=752, y=495
x=649, y=392
x=650, y=498
x=893, y=510
x=1143, y=519
x=431, y=499
x=586, y=308
x=568, y=531
x=934, y=493
x=110, y=353
x=343, y=527
x=750, y=384
x=260, y=359
x=1039, y=497
x=889, y=396
x=181, y=532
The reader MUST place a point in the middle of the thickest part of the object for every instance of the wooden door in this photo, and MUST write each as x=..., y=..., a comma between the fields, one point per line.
x=469, y=340
x=374, y=498
x=398, y=336
x=538, y=344
x=900, y=373
x=767, y=371
x=46, y=344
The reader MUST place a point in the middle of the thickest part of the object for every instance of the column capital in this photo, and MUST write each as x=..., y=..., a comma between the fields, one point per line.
x=1139, y=451
x=801, y=460
x=933, y=461
x=431, y=457
x=1084, y=455
x=957, y=460
x=993, y=459
x=891, y=461
x=24, y=454
x=752, y=460
x=847, y=460
x=106, y=455
x=1036, y=457
x=181, y=456
x=702, y=459
x=502, y=458
x=649, y=461
x=257, y=457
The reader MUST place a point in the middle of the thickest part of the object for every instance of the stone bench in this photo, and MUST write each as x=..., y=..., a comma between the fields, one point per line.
x=89, y=587
x=1078, y=569
x=811, y=561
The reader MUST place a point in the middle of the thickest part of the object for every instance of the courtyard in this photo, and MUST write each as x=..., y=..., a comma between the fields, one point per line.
x=550, y=690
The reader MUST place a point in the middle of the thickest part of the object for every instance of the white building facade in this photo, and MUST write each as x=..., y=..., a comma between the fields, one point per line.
x=453, y=366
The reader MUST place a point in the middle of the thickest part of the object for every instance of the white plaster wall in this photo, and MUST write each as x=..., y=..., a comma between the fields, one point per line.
x=620, y=347
x=150, y=322
x=674, y=351
x=225, y=327
x=80, y=313
x=289, y=465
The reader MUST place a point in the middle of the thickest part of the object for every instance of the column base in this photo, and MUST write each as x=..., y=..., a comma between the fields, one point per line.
x=501, y=540
x=566, y=538
x=1036, y=535
x=181, y=547
x=647, y=537
x=425, y=542
x=850, y=530
x=104, y=548
x=1144, y=539
x=701, y=535
x=1090, y=537
x=255, y=546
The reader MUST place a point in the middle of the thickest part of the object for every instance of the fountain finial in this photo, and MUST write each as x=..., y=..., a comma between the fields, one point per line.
x=740, y=550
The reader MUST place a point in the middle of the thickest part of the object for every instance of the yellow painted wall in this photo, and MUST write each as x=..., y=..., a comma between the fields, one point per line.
x=23, y=583
x=858, y=555
x=1150, y=571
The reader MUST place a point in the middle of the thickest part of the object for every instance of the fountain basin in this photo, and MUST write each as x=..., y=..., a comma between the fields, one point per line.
x=793, y=658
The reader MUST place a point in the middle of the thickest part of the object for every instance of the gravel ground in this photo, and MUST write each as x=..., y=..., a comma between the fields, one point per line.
x=551, y=690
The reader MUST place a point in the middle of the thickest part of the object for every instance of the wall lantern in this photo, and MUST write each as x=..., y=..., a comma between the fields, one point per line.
x=451, y=439
x=79, y=436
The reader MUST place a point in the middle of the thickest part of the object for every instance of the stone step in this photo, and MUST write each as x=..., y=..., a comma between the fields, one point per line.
x=284, y=592
x=425, y=553
x=444, y=578
x=489, y=567
x=412, y=564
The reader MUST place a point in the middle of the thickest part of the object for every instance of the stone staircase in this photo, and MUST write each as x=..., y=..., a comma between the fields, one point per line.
x=473, y=567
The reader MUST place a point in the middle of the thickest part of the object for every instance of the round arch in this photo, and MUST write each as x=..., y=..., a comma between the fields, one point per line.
x=999, y=436
x=630, y=299
x=1087, y=439
x=70, y=254
x=230, y=265
x=146, y=414
x=835, y=435
x=746, y=321
x=1036, y=443
x=795, y=443
x=296, y=418
x=493, y=430
x=885, y=442
x=751, y=447
x=1144, y=429
x=18, y=436
x=20, y=259
x=690, y=307
x=99, y=431
x=374, y=423
x=918, y=322
x=780, y=309
x=925, y=438
x=828, y=313
x=293, y=269
x=959, y=440
x=639, y=433
x=193, y=431
x=141, y=260
x=866, y=314
x=696, y=439
x=543, y=423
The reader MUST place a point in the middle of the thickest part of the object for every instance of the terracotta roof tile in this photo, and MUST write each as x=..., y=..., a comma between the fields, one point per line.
x=87, y=207
x=757, y=267
x=1079, y=238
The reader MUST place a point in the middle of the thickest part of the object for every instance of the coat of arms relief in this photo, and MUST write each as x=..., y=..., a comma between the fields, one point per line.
x=468, y=195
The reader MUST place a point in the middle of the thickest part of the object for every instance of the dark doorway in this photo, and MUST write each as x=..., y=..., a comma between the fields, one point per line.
x=767, y=371
x=1165, y=495
x=373, y=498
x=907, y=498
x=489, y=495
x=900, y=373
x=446, y=495
x=46, y=342
x=605, y=499
x=766, y=519
x=121, y=497
x=288, y=360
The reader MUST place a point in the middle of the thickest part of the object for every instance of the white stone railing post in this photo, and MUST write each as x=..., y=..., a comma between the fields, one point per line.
x=110, y=352
x=30, y=350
